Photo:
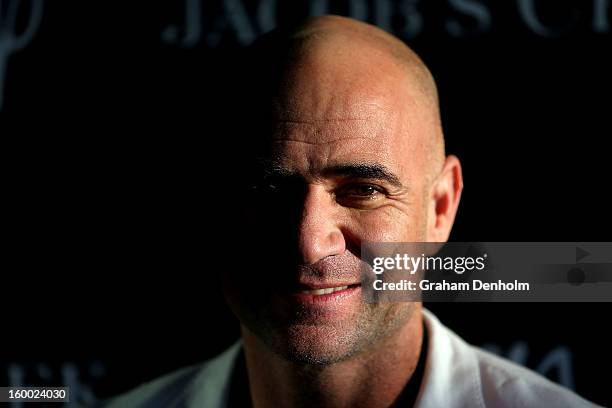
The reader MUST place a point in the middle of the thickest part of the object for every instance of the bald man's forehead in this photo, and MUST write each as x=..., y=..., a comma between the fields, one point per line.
x=366, y=121
x=308, y=148
x=338, y=90
x=327, y=99
x=320, y=108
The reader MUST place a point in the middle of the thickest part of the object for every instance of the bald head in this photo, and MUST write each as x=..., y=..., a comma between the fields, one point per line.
x=366, y=42
x=334, y=68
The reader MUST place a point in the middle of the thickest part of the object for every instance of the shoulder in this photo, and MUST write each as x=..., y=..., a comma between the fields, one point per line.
x=459, y=374
x=166, y=388
x=203, y=384
x=505, y=382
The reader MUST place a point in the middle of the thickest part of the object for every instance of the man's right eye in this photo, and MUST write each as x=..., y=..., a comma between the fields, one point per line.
x=281, y=192
x=265, y=188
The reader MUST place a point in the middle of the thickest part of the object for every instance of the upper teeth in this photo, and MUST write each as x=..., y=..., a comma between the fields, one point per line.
x=323, y=291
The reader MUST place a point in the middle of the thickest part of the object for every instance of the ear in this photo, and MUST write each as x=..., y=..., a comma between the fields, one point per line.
x=443, y=201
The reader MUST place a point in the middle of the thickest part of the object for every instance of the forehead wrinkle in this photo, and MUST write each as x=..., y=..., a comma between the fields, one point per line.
x=324, y=120
x=328, y=158
x=290, y=109
x=331, y=130
x=342, y=139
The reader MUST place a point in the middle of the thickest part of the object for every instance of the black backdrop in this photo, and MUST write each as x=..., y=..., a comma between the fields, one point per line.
x=117, y=178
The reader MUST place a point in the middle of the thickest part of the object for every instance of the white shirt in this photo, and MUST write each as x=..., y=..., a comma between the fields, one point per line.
x=457, y=374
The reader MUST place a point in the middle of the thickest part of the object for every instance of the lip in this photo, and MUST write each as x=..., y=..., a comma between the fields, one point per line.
x=335, y=296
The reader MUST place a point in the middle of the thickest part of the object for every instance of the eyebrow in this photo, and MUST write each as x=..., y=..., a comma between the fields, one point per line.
x=365, y=171
x=373, y=171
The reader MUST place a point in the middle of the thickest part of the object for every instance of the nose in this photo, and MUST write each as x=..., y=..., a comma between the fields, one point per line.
x=319, y=232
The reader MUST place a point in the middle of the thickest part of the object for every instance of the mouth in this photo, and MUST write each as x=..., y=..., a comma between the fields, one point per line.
x=323, y=291
x=324, y=294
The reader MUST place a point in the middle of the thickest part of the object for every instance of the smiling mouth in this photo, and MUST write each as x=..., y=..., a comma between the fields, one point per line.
x=327, y=302
x=325, y=291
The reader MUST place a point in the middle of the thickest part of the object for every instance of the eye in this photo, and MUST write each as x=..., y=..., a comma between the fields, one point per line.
x=265, y=188
x=360, y=195
x=364, y=190
x=278, y=190
x=268, y=185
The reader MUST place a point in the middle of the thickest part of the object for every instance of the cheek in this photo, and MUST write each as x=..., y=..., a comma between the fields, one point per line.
x=389, y=224
x=245, y=304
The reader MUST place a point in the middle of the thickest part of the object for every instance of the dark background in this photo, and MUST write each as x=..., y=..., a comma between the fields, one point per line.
x=117, y=175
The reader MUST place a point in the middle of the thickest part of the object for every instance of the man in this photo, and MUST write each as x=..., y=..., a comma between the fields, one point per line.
x=348, y=148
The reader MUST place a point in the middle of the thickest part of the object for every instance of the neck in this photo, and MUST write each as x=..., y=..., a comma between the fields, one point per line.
x=373, y=378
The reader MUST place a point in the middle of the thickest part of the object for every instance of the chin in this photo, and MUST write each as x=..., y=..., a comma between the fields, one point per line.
x=317, y=345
